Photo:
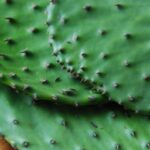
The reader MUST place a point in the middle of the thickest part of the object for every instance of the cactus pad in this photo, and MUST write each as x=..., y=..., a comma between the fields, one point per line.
x=29, y=125
x=107, y=43
x=25, y=56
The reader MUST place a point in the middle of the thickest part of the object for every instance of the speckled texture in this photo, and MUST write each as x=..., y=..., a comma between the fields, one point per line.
x=107, y=43
x=26, y=62
x=31, y=126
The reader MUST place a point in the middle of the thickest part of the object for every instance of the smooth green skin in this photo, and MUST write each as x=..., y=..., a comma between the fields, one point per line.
x=31, y=72
x=114, y=38
x=54, y=127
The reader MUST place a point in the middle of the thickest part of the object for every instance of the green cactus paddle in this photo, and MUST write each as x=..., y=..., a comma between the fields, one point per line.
x=25, y=57
x=28, y=125
x=106, y=42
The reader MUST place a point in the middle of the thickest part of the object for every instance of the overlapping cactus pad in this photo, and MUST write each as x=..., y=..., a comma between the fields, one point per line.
x=26, y=62
x=107, y=43
x=44, y=126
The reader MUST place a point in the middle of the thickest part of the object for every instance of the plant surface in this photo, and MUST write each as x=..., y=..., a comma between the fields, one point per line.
x=26, y=62
x=107, y=43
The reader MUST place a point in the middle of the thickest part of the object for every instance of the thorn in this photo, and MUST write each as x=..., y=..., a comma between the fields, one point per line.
x=9, y=41
x=26, y=53
x=9, y=2
x=16, y=122
x=91, y=98
x=35, y=7
x=4, y=57
x=52, y=141
x=13, y=86
x=25, y=69
x=113, y=115
x=94, y=125
x=69, y=92
x=128, y=36
x=104, y=55
x=48, y=23
x=148, y=145
x=55, y=54
x=133, y=134
x=120, y=6
x=84, y=55
x=64, y=21
x=147, y=78
x=76, y=38
x=116, y=85
x=49, y=65
x=55, y=98
x=1, y=76
x=132, y=99
x=117, y=147
x=54, y=1
x=94, y=134
x=62, y=50
x=83, y=68
x=127, y=63
x=63, y=123
x=26, y=87
x=26, y=144
x=100, y=74
x=76, y=105
x=103, y=32
x=58, y=79
x=44, y=81
x=11, y=20
x=88, y=8
x=12, y=75
x=35, y=30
